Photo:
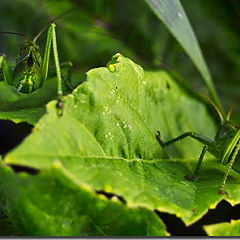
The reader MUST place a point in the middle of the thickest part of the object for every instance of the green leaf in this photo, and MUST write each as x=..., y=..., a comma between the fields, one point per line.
x=53, y=204
x=6, y=227
x=19, y=107
x=173, y=16
x=224, y=229
x=106, y=140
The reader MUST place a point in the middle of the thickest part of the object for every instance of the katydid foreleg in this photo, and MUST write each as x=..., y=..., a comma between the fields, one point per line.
x=195, y=174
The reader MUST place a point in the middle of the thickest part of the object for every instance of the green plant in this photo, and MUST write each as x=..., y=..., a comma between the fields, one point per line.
x=98, y=170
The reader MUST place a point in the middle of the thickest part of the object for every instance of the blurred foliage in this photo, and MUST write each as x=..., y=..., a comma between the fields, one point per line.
x=217, y=27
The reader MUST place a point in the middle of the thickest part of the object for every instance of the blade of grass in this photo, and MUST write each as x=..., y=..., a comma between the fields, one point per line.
x=172, y=14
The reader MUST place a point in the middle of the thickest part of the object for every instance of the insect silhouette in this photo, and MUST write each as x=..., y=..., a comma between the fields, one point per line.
x=225, y=147
x=31, y=71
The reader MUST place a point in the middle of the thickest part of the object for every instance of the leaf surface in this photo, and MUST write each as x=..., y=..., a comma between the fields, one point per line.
x=19, y=107
x=52, y=204
x=6, y=227
x=224, y=229
x=106, y=140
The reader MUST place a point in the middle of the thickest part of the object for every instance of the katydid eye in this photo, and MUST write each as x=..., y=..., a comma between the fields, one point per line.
x=223, y=132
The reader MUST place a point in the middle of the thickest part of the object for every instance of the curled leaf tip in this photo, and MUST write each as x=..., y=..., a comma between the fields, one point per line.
x=113, y=63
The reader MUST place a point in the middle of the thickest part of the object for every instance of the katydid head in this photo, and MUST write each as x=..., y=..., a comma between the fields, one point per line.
x=226, y=131
x=225, y=137
x=30, y=51
x=29, y=54
x=28, y=48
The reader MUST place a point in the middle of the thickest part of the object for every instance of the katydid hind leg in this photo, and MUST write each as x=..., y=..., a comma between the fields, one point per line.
x=60, y=103
x=51, y=40
x=46, y=58
x=66, y=74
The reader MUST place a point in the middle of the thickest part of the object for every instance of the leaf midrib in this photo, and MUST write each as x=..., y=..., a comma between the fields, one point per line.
x=103, y=157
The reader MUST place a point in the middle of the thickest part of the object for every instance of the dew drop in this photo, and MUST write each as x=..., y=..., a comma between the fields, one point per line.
x=185, y=183
x=180, y=15
x=118, y=98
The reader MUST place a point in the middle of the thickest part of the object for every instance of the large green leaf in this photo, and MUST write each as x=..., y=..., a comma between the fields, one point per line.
x=106, y=140
x=52, y=204
x=224, y=229
x=173, y=16
x=25, y=107
x=6, y=227
x=19, y=107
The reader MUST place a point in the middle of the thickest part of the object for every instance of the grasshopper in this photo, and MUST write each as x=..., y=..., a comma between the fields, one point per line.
x=224, y=147
x=31, y=71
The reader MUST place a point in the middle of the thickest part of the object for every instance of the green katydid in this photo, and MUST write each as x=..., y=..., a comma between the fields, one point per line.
x=31, y=70
x=225, y=146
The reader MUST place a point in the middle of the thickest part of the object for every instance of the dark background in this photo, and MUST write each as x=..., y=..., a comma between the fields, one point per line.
x=90, y=32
